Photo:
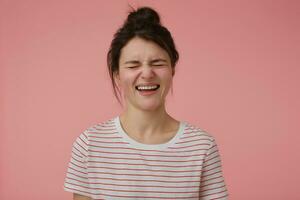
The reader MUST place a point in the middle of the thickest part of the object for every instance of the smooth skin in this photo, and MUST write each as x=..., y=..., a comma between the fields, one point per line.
x=144, y=119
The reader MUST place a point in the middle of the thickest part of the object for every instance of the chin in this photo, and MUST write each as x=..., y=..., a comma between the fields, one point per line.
x=150, y=106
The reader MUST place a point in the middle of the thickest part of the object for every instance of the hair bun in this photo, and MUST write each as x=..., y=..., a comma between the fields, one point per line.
x=143, y=16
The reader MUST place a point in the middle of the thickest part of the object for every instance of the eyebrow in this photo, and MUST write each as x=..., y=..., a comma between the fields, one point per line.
x=152, y=61
x=132, y=62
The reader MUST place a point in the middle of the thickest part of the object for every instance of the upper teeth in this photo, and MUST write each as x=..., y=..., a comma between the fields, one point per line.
x=147, y=87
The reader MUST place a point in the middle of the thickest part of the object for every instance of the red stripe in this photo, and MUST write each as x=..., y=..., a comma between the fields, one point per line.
x=82, y=141
x=109, y=142
x=212, y=163
x=220, y=197
x=147, y=150
x=81, y=146
x=122, y=185
x=104, y=133
x=108, y=137
x=197, y=135
x=223, y=186
x=207, y=170
x=144, y=175
x=202, y=186
x=189, y=128
x=136, y=191
x=77, y=160
x=140, y=154
x=77, y=175
x=213, y=146
x=146, y=197
x=193, y=131
x=191, y=141
x=187, y=146
x=78, y=150
x=76, y=165
x=216, y=156
x=146, y=180
x=213, y=193
x=207, y=175
x=211, y=179
x=211, y=154
x=143, y=197
x=109, y=123
x=86, y=137
x=148, y=170
x=141, y=159
x=104, y=126
x=80, y=156
x=78, y=170
x=108, y=129
x=170, y=166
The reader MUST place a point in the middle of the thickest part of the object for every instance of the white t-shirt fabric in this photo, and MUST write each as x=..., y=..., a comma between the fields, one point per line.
x=107, y=164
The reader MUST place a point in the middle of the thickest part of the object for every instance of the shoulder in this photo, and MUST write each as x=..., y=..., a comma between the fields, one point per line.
x=192, y=131
x=104, y=127
x=191, y=128
x=195, y=137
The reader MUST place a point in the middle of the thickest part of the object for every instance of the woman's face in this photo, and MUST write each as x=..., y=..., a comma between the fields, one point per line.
x=145, y=74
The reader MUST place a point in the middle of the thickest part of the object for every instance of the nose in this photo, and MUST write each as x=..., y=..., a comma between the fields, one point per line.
x=147, y=72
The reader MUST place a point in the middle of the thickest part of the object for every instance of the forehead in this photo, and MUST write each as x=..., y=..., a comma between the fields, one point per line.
x=138, y=48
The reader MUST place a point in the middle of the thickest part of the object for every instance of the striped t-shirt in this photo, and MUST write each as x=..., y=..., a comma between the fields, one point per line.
x=107, y=164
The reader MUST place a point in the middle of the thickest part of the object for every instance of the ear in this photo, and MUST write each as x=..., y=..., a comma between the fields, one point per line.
x=173, y=71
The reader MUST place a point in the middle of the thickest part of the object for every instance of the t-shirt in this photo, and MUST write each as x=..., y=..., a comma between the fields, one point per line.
x=108, y=164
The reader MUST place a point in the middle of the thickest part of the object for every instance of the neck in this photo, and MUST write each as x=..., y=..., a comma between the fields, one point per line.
x=145, y=123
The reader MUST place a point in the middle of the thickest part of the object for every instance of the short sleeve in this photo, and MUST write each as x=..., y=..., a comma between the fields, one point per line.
x=76, y=180
x=212, y=184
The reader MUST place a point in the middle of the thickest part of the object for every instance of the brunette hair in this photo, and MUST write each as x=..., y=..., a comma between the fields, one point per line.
x=144, y=23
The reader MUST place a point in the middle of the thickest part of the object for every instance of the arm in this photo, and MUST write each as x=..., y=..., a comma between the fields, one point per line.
x=77, y=180
x=213, y=184
x=80, y=197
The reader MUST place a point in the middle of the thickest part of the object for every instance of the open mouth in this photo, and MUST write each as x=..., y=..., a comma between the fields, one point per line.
x=147, y=87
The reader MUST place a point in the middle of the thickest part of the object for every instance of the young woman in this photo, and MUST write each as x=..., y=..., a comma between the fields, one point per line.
x=144, y=153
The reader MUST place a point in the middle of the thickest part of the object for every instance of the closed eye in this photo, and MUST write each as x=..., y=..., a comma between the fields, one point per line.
x=159, y=62
x=159, y=65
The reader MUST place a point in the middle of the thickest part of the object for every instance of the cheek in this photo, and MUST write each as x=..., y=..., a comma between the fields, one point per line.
x=126, y=81
x=165, y=75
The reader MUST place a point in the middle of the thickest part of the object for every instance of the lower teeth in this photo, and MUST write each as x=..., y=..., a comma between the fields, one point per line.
x=148, y=90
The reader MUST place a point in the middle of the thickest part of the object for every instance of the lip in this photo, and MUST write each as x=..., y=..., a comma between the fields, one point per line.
x=147, y=93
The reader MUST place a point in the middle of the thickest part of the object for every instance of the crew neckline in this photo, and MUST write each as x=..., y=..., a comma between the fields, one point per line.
x=140, y=145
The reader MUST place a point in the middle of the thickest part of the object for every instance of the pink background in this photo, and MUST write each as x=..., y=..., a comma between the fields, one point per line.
x=238, y=78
